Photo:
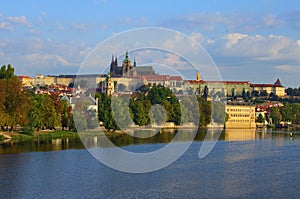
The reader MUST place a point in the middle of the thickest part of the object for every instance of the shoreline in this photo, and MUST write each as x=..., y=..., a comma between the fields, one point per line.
x=61, y=134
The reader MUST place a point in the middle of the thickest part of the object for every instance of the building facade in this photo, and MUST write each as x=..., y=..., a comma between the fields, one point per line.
x=240, y=115
x=127, y=69
x=276, y=88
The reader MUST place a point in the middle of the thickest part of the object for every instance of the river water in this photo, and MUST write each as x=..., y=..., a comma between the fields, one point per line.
x=243, y=164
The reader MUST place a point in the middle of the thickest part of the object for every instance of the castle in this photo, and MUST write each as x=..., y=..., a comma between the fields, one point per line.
x=127, y=69
x=127, y=74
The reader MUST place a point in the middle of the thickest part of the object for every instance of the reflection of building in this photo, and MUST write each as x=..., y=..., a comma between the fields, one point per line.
x=276, y=88
x=240, y=134
x=240, y=115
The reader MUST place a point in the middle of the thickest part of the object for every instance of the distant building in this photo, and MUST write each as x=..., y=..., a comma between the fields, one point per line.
x=223, y=88
x=276, y=88
x=26, y=81
x=127, y=69
x=240, y=115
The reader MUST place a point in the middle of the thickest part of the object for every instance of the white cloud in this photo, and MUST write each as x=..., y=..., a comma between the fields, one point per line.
x=233, y=38
x=283, y=67
x=86, y=51
x=80, y=26
x=272, y=20
x=6, y=26
x=258, y=47
x=40, y=59
x=19, y=20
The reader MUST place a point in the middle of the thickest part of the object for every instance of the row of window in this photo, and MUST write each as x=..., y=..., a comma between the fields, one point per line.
x=238, y=110
x=241, y=121
x=239, y=115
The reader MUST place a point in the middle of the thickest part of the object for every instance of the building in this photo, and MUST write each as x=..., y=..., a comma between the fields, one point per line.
x=240, y=115
x=276, y=88
x=26, y=81
x=127, y=69
x=221, y=88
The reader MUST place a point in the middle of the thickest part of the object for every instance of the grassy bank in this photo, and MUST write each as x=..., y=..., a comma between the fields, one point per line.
x=44, y=135
x=2, y=138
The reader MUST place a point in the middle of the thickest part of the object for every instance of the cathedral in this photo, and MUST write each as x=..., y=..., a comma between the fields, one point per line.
x=127, y=69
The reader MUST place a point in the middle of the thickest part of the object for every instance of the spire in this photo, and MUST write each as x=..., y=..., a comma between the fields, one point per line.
x=278, y=83
x=116, y=61
x=112, y=64
x=134, y=62
x=126, y=60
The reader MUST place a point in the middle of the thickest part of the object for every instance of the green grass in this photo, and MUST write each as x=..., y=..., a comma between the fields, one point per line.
x=57, y=134
x=2, y=138
x=22, y=137
x=45, y=135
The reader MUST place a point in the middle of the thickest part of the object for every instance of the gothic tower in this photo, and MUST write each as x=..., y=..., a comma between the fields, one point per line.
x=126, y=65
x=112, y=66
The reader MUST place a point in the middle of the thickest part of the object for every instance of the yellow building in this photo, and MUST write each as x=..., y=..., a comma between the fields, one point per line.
x=240, y=115
x=64, y=81
x=275, y=88
x=25, y=80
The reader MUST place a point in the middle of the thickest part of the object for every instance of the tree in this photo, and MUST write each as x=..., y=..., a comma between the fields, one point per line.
x=16, y=103
x=275, y=115
x=7, y=73
x=219, y=113
x=286, y=112
x=260, y=118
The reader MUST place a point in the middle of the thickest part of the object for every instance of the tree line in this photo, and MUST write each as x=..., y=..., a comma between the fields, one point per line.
x=147, y=106
x=289, y=112
x=153, y=105
x=30, y=111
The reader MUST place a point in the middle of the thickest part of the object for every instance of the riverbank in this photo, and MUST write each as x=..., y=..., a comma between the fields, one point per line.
x=40, y=135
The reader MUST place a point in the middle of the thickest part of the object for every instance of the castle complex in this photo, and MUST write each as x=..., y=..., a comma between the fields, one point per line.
x=129, y=73
x=124, y=79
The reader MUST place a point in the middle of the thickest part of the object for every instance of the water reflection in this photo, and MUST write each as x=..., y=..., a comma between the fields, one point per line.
x=40, y=145
x=137, y=137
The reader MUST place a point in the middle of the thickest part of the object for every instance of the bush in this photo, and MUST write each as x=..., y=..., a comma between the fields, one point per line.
x=28, y=130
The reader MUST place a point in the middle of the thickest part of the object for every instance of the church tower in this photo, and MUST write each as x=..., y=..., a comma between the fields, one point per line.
x=112, y=66
x=198, y=76
x=134, y=72
x=126, y=65
x=110, y=87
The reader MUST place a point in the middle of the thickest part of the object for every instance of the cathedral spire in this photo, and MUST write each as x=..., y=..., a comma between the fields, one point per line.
x=116, y=61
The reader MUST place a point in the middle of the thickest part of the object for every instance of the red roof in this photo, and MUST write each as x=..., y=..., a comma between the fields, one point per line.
x=220, y=82
x=20, y=77
x=265, y=85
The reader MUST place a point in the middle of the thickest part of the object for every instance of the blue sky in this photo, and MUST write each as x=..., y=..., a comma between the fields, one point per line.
x=257, y=41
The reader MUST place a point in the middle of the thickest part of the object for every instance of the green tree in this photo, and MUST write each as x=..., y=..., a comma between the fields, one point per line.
x=275, y=115
x=16, y=103
x=260, y=118
x=286, y=112
x=219, y=113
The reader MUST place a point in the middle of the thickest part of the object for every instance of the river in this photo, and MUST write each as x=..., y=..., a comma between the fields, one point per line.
x=243, y=164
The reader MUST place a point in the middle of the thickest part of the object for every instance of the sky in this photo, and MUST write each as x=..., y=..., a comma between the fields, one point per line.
x=257, y=41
